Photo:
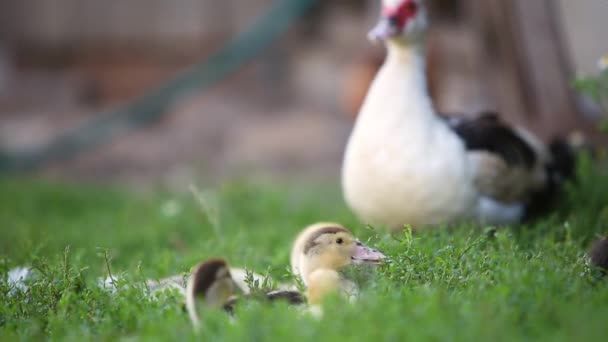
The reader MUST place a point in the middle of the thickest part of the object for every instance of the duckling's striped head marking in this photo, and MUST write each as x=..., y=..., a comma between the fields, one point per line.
x=313, y=239
x=208, y=273
x=330, y=246
x=334, y=247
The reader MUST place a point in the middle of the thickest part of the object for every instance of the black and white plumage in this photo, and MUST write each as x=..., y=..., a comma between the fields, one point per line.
x=520, y=155
x=407, y=164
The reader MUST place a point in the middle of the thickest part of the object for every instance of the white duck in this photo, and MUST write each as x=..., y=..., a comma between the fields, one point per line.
x=405, y=164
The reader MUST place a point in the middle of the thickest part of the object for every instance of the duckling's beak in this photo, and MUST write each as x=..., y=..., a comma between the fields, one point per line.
x=366, y=255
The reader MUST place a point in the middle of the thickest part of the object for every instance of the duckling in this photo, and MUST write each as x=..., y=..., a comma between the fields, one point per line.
x=320, y=252
x=210, y=286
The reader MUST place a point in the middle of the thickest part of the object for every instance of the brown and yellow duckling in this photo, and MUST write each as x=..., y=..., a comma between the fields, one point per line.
x=212, y=286
x=319, y=254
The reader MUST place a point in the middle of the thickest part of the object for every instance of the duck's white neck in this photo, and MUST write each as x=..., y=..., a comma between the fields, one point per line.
x=407, y=59
x=399, y=94
x=402, y=162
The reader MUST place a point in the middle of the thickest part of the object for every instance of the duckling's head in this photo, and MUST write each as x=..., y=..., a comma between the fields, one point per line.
x=332, y=247
x=210, y=285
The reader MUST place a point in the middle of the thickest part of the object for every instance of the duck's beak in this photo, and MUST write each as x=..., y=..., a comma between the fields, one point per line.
x=387, y=27
x=366, y=255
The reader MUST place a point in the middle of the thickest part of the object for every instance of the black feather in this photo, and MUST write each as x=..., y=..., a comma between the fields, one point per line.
x=487, y=132
x=559, y=170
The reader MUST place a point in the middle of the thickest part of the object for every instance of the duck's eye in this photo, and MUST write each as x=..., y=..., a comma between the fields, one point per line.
x=339, y=241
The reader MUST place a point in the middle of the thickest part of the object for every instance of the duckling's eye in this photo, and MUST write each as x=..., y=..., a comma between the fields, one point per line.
x=339, y=241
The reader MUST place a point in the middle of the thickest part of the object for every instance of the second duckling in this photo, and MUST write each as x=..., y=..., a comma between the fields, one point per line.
x=211, y=285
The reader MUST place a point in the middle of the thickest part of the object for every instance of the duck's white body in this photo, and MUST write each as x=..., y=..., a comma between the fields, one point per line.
x=407, y=165
x=404, y=165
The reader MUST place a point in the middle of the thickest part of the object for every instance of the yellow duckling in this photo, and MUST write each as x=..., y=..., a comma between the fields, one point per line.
x=321, y=251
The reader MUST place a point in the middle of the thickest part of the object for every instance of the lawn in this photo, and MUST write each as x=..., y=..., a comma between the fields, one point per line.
x=465, y=283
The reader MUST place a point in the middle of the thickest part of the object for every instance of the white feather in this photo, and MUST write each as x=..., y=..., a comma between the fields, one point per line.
x=492, y=211
x=17, y=277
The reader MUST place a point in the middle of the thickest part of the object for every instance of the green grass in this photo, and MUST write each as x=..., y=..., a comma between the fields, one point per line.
x=466, y=283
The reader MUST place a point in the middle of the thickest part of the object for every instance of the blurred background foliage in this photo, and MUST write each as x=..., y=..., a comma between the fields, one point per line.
x=286, y=111
x=596, y=87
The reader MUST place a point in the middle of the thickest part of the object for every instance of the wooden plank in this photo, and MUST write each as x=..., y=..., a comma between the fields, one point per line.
x=149, y=22
x=526, y=64
x=547, y=69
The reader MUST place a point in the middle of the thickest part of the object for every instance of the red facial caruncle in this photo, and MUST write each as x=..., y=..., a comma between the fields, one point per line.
x=401, y=13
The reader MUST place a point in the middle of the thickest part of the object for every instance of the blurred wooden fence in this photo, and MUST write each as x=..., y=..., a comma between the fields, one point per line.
x=521, y=61
x=147, y=22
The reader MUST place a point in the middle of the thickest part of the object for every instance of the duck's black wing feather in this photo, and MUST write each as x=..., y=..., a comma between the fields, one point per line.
x=488, y=133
